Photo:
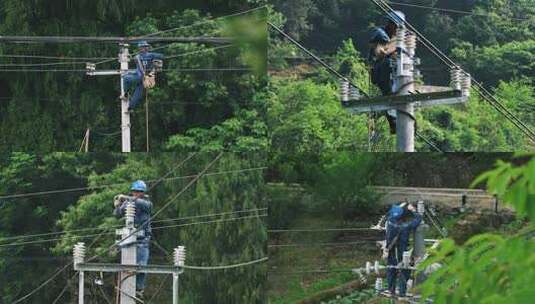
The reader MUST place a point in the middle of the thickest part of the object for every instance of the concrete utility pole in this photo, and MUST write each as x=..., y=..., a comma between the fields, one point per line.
x=125, y=114
x=404, y=85
x=124, y=58
x=128, y=245
x=180, y=258
x=406, y=100
x=419, y=234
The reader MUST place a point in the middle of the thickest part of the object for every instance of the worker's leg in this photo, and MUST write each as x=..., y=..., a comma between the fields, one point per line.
x=142, y=259
x=404, y=277
x=391, y=274
x=138, y=95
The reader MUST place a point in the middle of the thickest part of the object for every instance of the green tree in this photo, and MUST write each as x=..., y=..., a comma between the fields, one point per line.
x=491, y=268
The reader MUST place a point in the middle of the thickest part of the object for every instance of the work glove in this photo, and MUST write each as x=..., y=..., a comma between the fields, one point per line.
x=119, y=199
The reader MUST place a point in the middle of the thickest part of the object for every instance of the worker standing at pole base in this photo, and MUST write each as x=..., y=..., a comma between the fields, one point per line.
x=402, y=220
x=382, y=57
x=143, y=217
x=144, y=76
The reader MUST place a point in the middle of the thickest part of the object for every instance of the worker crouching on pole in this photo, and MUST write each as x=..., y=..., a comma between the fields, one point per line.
x=144, y=76
x=143, y=206
x=402, y=221
x=382, y=57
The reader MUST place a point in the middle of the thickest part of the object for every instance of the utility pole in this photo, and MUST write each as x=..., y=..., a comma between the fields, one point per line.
x=128, y=267
x=124, y=58
x=179, y=257
x=125, y=114
x=404, y=85
x=128, y=245
x=406, y=100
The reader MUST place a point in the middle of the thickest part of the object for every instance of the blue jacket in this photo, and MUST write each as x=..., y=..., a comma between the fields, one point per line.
x=144, y=61
x=404, y=230
x=143, y=214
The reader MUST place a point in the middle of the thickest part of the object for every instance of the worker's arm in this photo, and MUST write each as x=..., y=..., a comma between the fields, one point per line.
x=383, y=50
x=143, y=205
x=159, y=56
x=119, y=209
x=417, y=220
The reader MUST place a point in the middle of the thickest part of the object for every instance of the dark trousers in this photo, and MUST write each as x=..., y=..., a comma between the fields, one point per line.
x=143, y=253
x=392, y=276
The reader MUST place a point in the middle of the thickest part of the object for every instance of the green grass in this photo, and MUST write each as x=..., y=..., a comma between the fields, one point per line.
x=292, y=288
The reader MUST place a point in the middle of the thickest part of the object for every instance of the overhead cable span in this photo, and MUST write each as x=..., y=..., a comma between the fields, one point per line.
x=89, y=39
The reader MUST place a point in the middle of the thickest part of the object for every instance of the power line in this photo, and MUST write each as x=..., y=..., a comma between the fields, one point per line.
x=114, y=227
x=225, y=267
x=126, y=40
x=31, y=194
x=318, y=230
x=322, y=244
x=316, y=58
x=221, y=69
x=55, y=57
x=187, y=26
x=206, y=22
x=447, y=10
x=110, y=233
x=42, y=285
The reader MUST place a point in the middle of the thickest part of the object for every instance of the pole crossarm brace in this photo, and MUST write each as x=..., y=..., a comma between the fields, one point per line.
x=109, y=267
x=121, y=40
x=385, y=103
x=108, y=72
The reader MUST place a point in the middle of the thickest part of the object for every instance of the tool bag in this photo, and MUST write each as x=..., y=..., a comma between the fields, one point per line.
x=149, y=81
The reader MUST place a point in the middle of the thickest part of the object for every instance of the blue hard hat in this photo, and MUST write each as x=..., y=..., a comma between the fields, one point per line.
x=396, y=17
x=143, y=43
x=138, y=186
x=396, y=212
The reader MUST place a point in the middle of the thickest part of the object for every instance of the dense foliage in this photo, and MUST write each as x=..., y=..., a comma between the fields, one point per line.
x=491, y=268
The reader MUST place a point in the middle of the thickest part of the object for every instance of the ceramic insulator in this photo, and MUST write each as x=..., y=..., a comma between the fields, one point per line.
x=354, y=93
x=130, y=212
x=344, y=90
x=378, y=284
x=466, y=84
x=456, y=79
x=180, y=255
x=79, y=253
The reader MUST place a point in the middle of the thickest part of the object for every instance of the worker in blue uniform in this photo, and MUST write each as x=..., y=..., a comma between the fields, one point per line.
x=402, y=221
x=142, y=221
x=144, y=66
x=382, y=55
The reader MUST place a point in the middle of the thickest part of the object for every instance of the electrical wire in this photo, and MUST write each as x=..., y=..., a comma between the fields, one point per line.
x=59, y=191
x=42, y=285
x=19, y=237
x=153, y=228
x=186, y=26
x=322, y=244
x=316, y=58
x=447, y=10
x=220, y=69
x=54, y=57
x=318, y=230
x=199, y=51
x=225, y=267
